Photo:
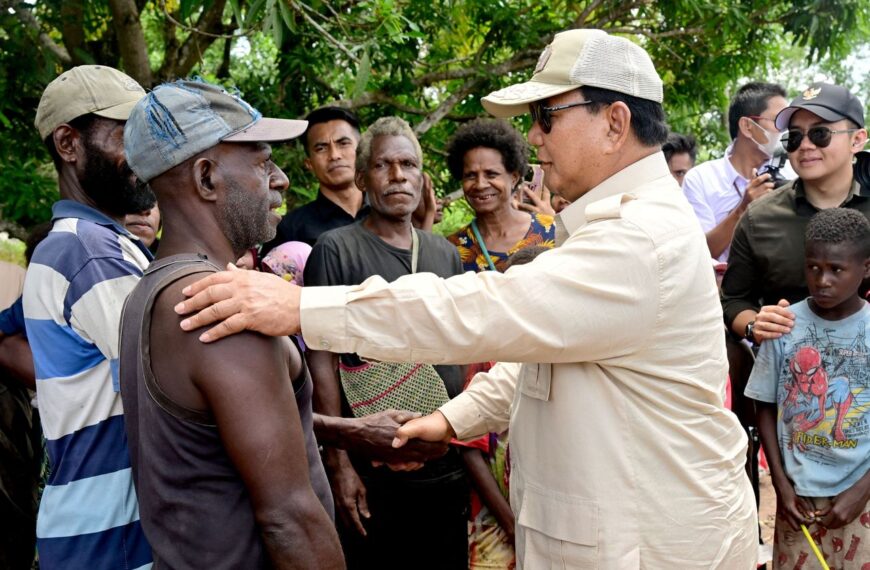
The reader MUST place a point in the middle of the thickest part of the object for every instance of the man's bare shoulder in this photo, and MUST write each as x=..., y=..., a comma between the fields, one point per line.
x=195, y=374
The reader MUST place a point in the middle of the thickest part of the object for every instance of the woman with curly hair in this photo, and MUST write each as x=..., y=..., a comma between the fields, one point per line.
x=489, y=158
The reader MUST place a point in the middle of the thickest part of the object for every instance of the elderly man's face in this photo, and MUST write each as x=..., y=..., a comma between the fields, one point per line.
x=393, y=179
x=570, y=153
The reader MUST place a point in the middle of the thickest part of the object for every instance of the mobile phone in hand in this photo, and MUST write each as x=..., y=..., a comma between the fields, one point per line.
x=534, y=182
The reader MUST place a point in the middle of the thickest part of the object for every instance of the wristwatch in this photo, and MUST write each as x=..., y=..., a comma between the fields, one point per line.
x=747, y=334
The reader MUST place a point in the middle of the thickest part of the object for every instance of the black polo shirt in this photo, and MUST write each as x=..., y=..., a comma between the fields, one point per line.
x=306, y=223
x=766, y=262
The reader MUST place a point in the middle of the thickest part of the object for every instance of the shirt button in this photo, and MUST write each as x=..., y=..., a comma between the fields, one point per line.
x=324, y=344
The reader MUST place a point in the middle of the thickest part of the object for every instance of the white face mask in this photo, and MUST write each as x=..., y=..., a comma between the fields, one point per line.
x=773, y=143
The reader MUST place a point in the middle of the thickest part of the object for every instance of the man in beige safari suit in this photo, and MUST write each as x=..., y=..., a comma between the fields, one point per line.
x=623, y=454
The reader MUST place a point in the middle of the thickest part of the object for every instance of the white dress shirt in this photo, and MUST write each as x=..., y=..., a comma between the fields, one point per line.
x=714, y=188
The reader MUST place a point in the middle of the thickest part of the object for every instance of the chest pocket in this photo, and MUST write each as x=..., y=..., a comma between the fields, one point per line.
x=535, y=380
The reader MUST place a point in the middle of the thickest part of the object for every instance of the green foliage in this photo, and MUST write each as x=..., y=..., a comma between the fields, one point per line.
x=11, y=249
x=457, y=214
x=428, y=61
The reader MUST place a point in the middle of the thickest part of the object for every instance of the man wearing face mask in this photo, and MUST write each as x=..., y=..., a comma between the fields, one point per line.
x=825, y=127
x=720, y=190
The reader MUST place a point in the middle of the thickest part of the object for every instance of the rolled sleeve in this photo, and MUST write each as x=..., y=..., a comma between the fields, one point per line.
x=322, y=311
x=484, y=407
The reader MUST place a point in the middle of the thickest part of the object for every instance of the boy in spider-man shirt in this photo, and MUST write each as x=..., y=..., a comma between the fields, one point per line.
x=813, y=390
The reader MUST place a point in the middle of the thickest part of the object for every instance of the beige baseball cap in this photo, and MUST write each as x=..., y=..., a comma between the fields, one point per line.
x=578, y=58
x=96, y=89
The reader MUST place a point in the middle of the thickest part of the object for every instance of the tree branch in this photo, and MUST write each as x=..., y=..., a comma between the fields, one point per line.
x=444, y=108
x=26, y=17
x=170, y=44
x=320, y=29
x=584, y=15
x=654, y=35
x=615, y=14
x=381, y=98
x=520, y=60
x=72, y=28
x=206, y=31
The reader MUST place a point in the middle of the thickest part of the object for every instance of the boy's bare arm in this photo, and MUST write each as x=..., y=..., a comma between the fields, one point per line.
x=794, y=509
x=846, y=506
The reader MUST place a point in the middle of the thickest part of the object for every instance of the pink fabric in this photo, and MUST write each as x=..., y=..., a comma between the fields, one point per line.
x=728, y=394
x=288, y=261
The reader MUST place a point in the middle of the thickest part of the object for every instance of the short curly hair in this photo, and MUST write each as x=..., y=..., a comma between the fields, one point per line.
x=496, y=134
x=385, y=127
x=840, y=225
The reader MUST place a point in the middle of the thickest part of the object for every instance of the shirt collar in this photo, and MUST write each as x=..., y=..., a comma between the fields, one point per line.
x=732, y=177
x=630, y=178
x=73, y=209
x=323, y=202
x=856, y=192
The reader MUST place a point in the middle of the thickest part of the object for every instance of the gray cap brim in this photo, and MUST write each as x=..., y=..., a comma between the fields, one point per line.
x=269, y=130
x=784, y=117
x=514, y=100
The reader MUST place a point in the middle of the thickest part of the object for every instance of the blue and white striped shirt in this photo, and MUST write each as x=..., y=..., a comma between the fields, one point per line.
x=74, y=292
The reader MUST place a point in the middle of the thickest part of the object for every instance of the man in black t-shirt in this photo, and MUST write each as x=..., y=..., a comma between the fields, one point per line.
x=379, y=508
x=330, y=149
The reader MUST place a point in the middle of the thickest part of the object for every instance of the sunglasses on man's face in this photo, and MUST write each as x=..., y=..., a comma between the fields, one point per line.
x=541, y=113
x=819, y=136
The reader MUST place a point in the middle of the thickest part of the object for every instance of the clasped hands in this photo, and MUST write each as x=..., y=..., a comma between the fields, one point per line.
x=400, y=440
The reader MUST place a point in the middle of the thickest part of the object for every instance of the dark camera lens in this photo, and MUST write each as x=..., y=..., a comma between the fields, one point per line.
x=530, y=174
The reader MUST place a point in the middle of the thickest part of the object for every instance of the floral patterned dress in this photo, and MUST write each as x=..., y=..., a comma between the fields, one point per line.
x=489, y=547
x=542, y=232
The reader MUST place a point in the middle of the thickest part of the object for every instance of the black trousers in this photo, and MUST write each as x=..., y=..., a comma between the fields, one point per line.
x=423, y=527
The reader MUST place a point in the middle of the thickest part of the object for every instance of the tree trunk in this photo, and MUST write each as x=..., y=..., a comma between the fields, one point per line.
x=72, y=28
x=208, y=28
x=131, y=41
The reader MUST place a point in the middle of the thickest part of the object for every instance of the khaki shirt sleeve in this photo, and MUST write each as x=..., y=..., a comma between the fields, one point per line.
x=594, y=298
x=485, y=405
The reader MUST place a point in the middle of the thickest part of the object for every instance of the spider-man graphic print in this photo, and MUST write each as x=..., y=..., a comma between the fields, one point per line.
x=819, y=377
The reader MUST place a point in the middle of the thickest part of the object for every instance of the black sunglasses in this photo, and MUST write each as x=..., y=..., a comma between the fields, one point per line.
x=819, y=136
x=541, y=113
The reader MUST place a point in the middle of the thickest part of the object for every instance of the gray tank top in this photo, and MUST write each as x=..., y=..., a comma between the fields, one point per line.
x=193, y=505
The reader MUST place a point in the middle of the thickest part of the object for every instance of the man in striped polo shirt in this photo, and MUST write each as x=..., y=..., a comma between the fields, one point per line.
x=75, y=288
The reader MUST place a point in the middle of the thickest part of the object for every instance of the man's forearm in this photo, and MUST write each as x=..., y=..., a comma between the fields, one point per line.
x=331, y=430
x=16, y=357
x=719, y=238
x=301, y=536
x=743, y=318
